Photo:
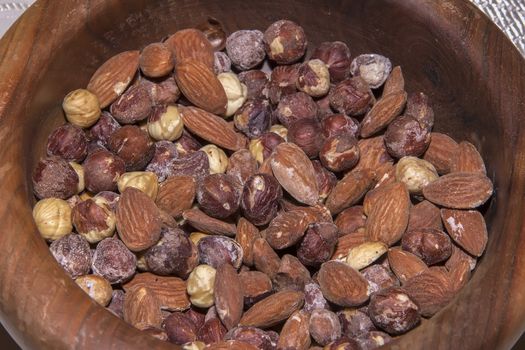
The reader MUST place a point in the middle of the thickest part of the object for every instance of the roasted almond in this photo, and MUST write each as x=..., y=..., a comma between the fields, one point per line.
x=395, y=82
x=458, y=256
x=138, y=220
x=384, y=111
x=431, y=290
x=191, y=45
x=295, y=333
x=459, y=190
x=247, y=233
x=142, y=308
x=347, y=242
x=228, y=295
x=176, y=194
x=295, y=172
x=349, y=190
x=113, y=77
x=200, y=86
x=342, y=285
x=256, y=286
x=373, y=154
x=468, y=160
x=265, y=258
x=405, y=264
x=273, y=309
x=441, y=152
x=207, y=224
x=459, y=275
x=424, y=215
x=229, y=345
x=286, y=229
x=467, y=228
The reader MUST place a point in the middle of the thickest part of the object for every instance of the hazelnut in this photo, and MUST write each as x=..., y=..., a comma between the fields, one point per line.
x=102, y=170
x=285, y=42
x=219, y=195
x=256, y=82
x=200, y=286
x=111, y=199
x=98, y=288
x=340, y=153
x=133, y=105
x=156, y=60
x=307, y=135
x=180, y=328
x=431, y=245
x=260, y=199
x=236, y=92
x=93, y=219
x=336, y=55
x=195, y=164
x=165, y=153
x=174, y=254
x=116, y=305
x=373, y=68
x=246, y=48
x=68, y=142
x=195, y=237
x=355, y=322
x=194, y=345
x=393, y=311
x=251, y=335
x=165, y=123
x=133, y=146
x=326, y=180
x=82, y=108
x=294, y=107
x=419, y=108
x=52, y=218
x=324, y=326
x=314, y=78
x=214, y=32
x=218, y=250
x=212, y=331
x=350, y=220
x=253, y=118
x=323, y=105
x=318, y=244
x=292, y=275
x=113, y=261
x=280, y=130
x=263, y=147
x=405, y=136
x=283, y=81
x=217, y=159
x=162, y=92
x=72, y=252
x=241, y=166
x=373, y=340
x=102, y=130
x=222, y=63
x=53, y=177
x=313, y=298
x=379, y=277
x=415, y=173
x=145, y=181
x=80, y=173
x=338, y=124
x=352, y=97
x=187, y=144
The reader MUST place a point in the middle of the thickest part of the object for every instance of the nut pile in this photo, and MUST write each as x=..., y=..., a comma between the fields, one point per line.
x=214, y=205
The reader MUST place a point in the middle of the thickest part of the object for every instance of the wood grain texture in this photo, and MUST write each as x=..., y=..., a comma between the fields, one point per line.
x=474, y=76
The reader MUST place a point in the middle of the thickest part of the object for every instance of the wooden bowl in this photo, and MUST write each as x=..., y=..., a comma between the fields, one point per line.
x=448, y=49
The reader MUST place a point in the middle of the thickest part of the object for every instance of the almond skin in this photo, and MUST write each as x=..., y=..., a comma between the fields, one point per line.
x=207, y=224
x=395, y=82
x=286, y=229
x=342, y=285
x=349, y=190
x=467, y=228
x=295, y=333
x=176, y=194
x=441, y=152
x=384, y=111
x=431, y=290
x=191, y=45
x=468, y=160
x=424, y=215
x=138, y=220
x=228, y=295
x=142, y=308
x=373, y=154
x=113, y=77
x=273, y=309
x=247, y=233
x=405, y=265
x=347, y=242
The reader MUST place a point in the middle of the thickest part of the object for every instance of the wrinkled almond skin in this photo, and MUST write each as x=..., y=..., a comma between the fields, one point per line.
x=170, y=291
x=176, y=194
x=347, y=242
x=142, y=308
x=349, y=190
x=350, y=220
x=430, y=290
x=191, y=45
x=295, y=334
x=342, y=285
x=180, y=328
x=373, y=154
x=247, y=233
x=255, y=285
x=441, y=152
x=286, y=229
x=228, y=295
x=424, y=215
x=459, y=275
x=292, y=275
x=383, y=113
x=467, y=228
x=273, y=310
x=212, y=331
x=207, y=224
x=265, y=258
x=195, y=164
x=468, y=160
x=395, y=82
x=138, y=220
x=458, y=256
x=405, y=264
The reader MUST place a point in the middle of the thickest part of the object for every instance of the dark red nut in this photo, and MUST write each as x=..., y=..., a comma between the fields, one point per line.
x=174, y=254
x=94, y=146
x=313, y=298
x=419, y=108
x=379, y=278
x=269, y=142
x=340, y=153
x=336, y=55
x=292, y=275
x=54, y=177
x=323, y=104
x=222, y=63
x=69, y=142
x=163, y=91
x=72, y=252
x=251, y=335
x=180, y=328
x=246, y=48
x=324, y=326
x=352, y=97
x=326, y=180
x=355, y=323
x=405, y=136
x=218, y=250
x=133, y=146
x=102, y=170
x=214, y=32
x=373, y=340
x=350, y=220
x=393, y=311
x=339, y=124
x=373, y=68
x=113, y=261
x=165, y=153
x=103, y=129
x=241, y=166
x=254, y=118
x=212, y=331
x=195, y=164
x=93, y=219
x=132, y=106
x=314, y=78
x=283, y=81
x=187, y=144
x=294, y=107
x=111, y=199
x=116, y=305
x=256, y=286
x=318, y=244
x=156, y=60
x=285, y=42
x=343, y=344
x=307, y=135
x=260, y=199
x=431, y=245
x=196, y=316
x=219, y=195
x=256, y=82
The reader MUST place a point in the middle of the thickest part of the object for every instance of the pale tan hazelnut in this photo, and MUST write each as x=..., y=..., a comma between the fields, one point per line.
x=97, y=287
x=415, y=173
x=200, y=286
x=141, y=262
x=236, y=92
x=146, y=181
x=82, y=108
x=314, y=78
x=94, y=232
x=165, y=123
x=195, y=237
x=195, y=345
x=217, y=158
x=280, y=130
x=53, y=218
x=256, y=149
x=79, y=169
